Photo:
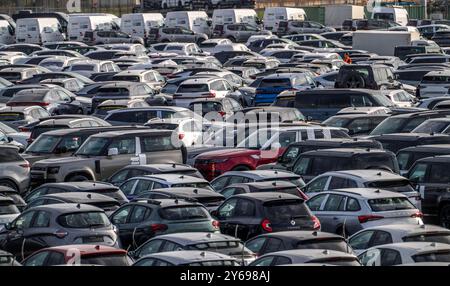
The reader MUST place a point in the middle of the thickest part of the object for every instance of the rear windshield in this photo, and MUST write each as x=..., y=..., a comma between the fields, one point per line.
x=113, y=91
x=438, y=256
x=11, y=75
x=429, y=237
x=103, y=110
x=84, y=220
x=375, y=161
x=340, y=261
x=167, y=126
x=82, y=68
x=127, y=78
x=282, y=211
x=337, y=244
x=106, y=260
x=390, y=204
x=399, y=186
x=11, y=116
x=184, y=213
x=276, y=82
x=206, y=107
x=186, y=88
x=436, y=79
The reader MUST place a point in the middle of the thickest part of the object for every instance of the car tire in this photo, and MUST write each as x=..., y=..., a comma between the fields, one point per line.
x=241, y=168
x=444, y=216
x=77, y=178
x=354, y=80
x=9, y=184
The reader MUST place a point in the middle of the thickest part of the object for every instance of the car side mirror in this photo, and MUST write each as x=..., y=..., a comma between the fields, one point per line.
x=113, y=152
x=10, y=139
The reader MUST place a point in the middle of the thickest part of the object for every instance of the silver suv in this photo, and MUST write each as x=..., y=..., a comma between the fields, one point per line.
x=110, y=37
x=176, y=34
x=14, y=170
x=103, y=154
x=236, y=32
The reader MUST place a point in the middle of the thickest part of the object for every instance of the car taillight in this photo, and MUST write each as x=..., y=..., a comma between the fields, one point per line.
x=158, y=227
x=417, y=215
x=316, y=222
x=366, y=218
x=265, y=224
x=216, y=224
x=23, y=129
x=60, y=233
x=222, y=113
x=42, y=103
x=180, y=136
x=210, y=94
x=25, y=165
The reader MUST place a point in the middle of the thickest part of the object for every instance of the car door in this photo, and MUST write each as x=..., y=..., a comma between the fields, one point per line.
x=332, y=215
x=119, y=153
x=18, y=231
x=137, y=229
x=120, y=219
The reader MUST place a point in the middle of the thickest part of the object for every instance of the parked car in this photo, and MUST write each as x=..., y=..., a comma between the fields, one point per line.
x=110, y=37
x=187, y=258
x=14, y=170
x=406, y=157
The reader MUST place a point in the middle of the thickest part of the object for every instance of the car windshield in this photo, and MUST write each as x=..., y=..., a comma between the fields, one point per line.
x=286, y=210
x=276, y=82
x=6, y=129
x=84, y=220
x=438, y=256
x=184, y=213
x=336, y=122
x=224, y=247
x=389, y=125
x=431, y=126
x=82, y=68
x=107, y=260
x=8, y=208
x=187, y=88
x=11, y=116
x=338, y=244
x=127, y=78
x=429, y=237
x=43, y=144
x=93, y=146
x=390, y=204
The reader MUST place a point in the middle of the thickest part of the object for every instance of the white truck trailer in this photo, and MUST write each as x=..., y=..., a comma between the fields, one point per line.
x=335, y=15
x=383, y=43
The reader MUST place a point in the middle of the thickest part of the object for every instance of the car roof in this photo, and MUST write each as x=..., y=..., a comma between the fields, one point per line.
x=67, y=208
x=64, y=121
x=262, y=174
x=409, y=136
x=367, y=174
x=134, y=109
x=186, y=192
x=80, y=197
x=189, y=256
x=94, y=130
x=436, y=159
x=367, y=193
x=81, y=185
x=411, y=229
x=416, y=248
x=163, y=167
x=131, y=132
x=200, y=80
x=189, y=238
x=5, y=199
x=301, y=235
x=266, y=185
x=345, y=152
x=175, y=178
x=430, y=148
x=163, y=203
x=87, y=249
x=306, y=255
x=267, y=196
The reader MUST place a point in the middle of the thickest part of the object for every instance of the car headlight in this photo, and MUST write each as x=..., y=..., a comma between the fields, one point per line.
x=53, y=170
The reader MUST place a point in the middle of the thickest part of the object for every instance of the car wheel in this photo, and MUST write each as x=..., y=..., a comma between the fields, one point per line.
x=78, y=178
x=9, y=184
x=241, y=168
x=444, y=216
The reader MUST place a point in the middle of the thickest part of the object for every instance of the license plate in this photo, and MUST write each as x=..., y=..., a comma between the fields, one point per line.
x=93, y=239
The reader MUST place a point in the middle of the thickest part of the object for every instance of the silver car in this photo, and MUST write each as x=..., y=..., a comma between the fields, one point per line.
x=239, y=32
x=347, y=211
x=14, y=170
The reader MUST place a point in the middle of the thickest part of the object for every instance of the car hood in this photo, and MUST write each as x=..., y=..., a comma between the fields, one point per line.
x=227, y=153
x=63, y=161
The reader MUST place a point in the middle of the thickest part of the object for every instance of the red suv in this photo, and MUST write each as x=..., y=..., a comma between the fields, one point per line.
x=259, y=148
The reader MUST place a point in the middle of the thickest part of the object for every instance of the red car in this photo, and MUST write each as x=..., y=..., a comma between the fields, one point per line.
x=77, y=254
x=256, y=149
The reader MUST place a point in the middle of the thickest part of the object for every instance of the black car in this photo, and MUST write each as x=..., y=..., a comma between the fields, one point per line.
x=396, y=141
x=442, y=38
x=404, y=123
x=249, y=215
x=313, y=163
x=366, y=76
x=431, y=178
x=294, y=150
x=141, y=220
x=406, y=157
x=356, y=124
x=210, y=199
x=37, y=78
x=106, y=203
x=266, y=186
x=89, y=187
x=54, y=225
x=141, y=170
x=286, y=240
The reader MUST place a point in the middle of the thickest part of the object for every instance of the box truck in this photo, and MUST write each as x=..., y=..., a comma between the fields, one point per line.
x=382, y=43
x=335, y=15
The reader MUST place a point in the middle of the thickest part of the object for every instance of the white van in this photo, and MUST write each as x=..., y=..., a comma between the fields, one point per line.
x=393, y=14
x=6, y=33
x=38, y=30
x=79, y=24
x=139, y=24
x=197, y=21
x=273, y=16
x=233, y=16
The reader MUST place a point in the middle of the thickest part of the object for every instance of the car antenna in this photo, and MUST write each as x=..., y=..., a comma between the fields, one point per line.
x=174, y=165
x=202, y=254
x=209, y=235
x=379, y=174
x=78, y=206
x=314, y=233
x=89, y=196
x=176, y=201
x=195, y=191
x=377, y=191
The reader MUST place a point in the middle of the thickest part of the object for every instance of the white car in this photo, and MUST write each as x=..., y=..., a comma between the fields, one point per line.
x=230, y=47
x=405, y=253
x=58, y=63
x=183, y=49
x=191, y=89
x=188, y=130
x=259, y=37
x=88, y=67
x=210, y=44
x=152, y=77
x=400, y=97
x=395, y=233
x=434, y=84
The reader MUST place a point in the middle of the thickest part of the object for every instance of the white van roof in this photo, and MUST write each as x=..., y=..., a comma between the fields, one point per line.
x=186, y=13
x=290, y=9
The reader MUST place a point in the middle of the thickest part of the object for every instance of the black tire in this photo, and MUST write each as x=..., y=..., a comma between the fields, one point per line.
x=78, y=178
x=9, y=184
x=241, y=168
x=354, y=80
x=444, y=216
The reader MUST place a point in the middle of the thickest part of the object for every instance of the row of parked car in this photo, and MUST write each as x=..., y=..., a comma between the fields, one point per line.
x=276, y=152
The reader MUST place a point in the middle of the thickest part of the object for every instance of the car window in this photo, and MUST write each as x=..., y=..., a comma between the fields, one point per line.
x=124, y=145
x=150, y=247
x=24, y=221
x=361, y=240
x=334, y=203
x=139, y=214
x=418, y=173
x=256, y=244
x=120, y=217
x=280, y=260
x=42, y=219
x=228, y=209
x=266, y=261
x=339, y=183
x=317, y=185
x=55, y=258
x=439, y=174
x=390, y=257
x=171, y=246
x=37, y=259
x=302, y=165
x=352, y=205
x=244, y=208
x=120, y=176
x=381, y=237
x=315, y=202
x=220, y=183
x=142, y=186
